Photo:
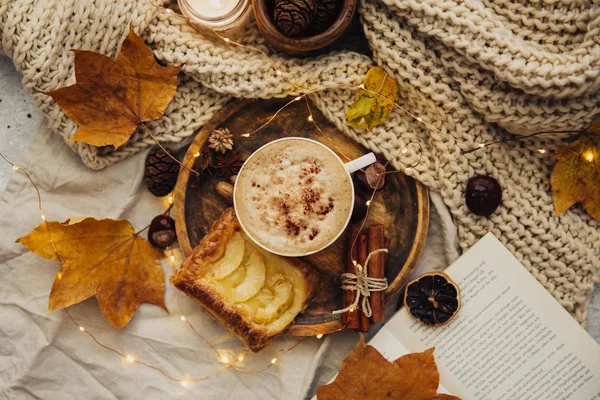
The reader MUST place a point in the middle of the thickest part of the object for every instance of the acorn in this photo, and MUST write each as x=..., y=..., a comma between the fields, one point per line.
x=483, y=195
x=161, y=233
x=373, y=178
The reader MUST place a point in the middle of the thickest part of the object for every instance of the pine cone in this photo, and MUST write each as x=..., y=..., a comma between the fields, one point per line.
x=292, y=17
x=161, y=172
x=325, y=13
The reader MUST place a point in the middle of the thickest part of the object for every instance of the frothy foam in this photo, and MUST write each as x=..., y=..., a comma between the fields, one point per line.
x=293, y=197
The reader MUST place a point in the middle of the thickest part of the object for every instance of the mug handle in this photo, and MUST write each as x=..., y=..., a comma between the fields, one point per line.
x=360, y=162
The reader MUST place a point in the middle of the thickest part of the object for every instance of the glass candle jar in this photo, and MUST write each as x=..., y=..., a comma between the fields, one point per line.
x=225, y=17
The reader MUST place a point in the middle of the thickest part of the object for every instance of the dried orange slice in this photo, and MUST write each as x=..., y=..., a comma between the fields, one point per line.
x=433, y=298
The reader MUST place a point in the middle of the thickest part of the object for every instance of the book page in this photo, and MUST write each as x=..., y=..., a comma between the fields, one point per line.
x=511, y=338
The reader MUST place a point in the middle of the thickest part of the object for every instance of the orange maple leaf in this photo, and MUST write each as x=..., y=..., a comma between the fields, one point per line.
x=366, y=374
x=112, y=97
x=103, y=258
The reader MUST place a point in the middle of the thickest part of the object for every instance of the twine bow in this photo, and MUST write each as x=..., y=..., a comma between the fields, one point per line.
x=363, y=285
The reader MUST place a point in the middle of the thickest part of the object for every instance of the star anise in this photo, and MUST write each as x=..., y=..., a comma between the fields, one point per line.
x=227, y=164
x=204, y=161
x=203, y=165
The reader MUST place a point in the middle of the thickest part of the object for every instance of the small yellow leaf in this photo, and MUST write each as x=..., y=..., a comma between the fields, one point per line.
x=103, y=258
x=576, y=175
x=375, y=102
x=112, y=97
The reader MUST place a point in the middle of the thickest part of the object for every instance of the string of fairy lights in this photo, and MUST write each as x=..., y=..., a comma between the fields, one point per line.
x=228, y=358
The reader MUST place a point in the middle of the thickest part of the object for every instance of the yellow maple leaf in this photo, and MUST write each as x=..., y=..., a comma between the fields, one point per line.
x=576, y=175
x=375, y=102
x=366, y=374
x=112, y=97
x=103, y=258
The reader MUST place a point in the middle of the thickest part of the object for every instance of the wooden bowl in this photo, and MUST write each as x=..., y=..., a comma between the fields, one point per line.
x=302, y=46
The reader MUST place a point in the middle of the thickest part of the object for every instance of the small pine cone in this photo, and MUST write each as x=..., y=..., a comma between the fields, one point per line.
x=161, y=172
x=326, y=11
x=292, y=17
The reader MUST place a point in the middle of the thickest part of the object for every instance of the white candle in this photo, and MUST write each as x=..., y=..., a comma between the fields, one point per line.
x=213, y=8
x=227, y=17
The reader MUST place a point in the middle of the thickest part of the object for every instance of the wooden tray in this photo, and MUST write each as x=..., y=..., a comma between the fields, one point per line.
x=402, y=205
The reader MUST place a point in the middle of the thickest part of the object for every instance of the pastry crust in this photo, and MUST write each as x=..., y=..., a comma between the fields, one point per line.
x=190, y=280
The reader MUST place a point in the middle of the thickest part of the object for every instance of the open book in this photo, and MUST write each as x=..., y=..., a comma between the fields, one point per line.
x=511, y=339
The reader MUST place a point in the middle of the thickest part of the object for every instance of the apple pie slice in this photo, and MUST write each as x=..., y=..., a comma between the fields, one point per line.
x=253, y=293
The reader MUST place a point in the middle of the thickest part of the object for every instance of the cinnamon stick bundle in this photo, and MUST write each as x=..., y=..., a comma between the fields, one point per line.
x=351, y=319
x=362, y=258
x=376, y=269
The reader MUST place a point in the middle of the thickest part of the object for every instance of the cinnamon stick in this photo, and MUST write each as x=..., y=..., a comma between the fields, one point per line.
x=351, y=319
x=362, y=257
x=376, y=269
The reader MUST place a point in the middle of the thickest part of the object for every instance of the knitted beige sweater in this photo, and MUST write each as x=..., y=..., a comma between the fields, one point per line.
x=473, y=69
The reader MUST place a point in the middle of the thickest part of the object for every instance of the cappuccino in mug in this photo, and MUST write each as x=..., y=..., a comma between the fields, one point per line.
x=294, y=197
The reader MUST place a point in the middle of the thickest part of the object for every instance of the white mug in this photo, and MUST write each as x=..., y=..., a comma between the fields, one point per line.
x=349, y=167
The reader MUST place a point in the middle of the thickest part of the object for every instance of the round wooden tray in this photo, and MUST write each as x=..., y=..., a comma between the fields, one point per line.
x=402, y=205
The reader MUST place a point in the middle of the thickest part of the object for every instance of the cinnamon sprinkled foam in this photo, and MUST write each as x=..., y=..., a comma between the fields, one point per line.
x=293, y=197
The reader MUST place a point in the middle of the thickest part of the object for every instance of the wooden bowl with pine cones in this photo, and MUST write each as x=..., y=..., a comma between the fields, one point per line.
x=303, y=27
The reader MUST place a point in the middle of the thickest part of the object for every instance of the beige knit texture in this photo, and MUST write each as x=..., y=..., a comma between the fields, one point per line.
x=476, y=70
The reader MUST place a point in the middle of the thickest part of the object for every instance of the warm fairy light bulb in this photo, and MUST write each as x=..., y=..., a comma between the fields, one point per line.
x=197, y=154
x=183, y=318
x=59, y=276
x=274, y=360
x=298, y=98
x=172, y=258
x=541, y=151
x=279, y=72
x=226, y=40
x=241, y=357
x=352, y=309
x=185, y=384
x=168, y=11
x=404, y=150
x=361, y=86
x=310, y=118
x=130, y=359
x=419, y=119
x=15, y=167
x=43, y=217
x=368, y=203
x=82, y=329
x=481, y=145
x=170, y=199
x=589, y=156
x=245, y=135
x=354, y=262
x=224, y=359
x=319, y=336
x=407, y=168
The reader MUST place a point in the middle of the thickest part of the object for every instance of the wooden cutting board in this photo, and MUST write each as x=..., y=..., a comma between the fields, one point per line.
x=402, y=205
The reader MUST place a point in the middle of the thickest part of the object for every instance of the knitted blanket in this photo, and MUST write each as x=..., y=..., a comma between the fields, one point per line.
x=477, y=70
